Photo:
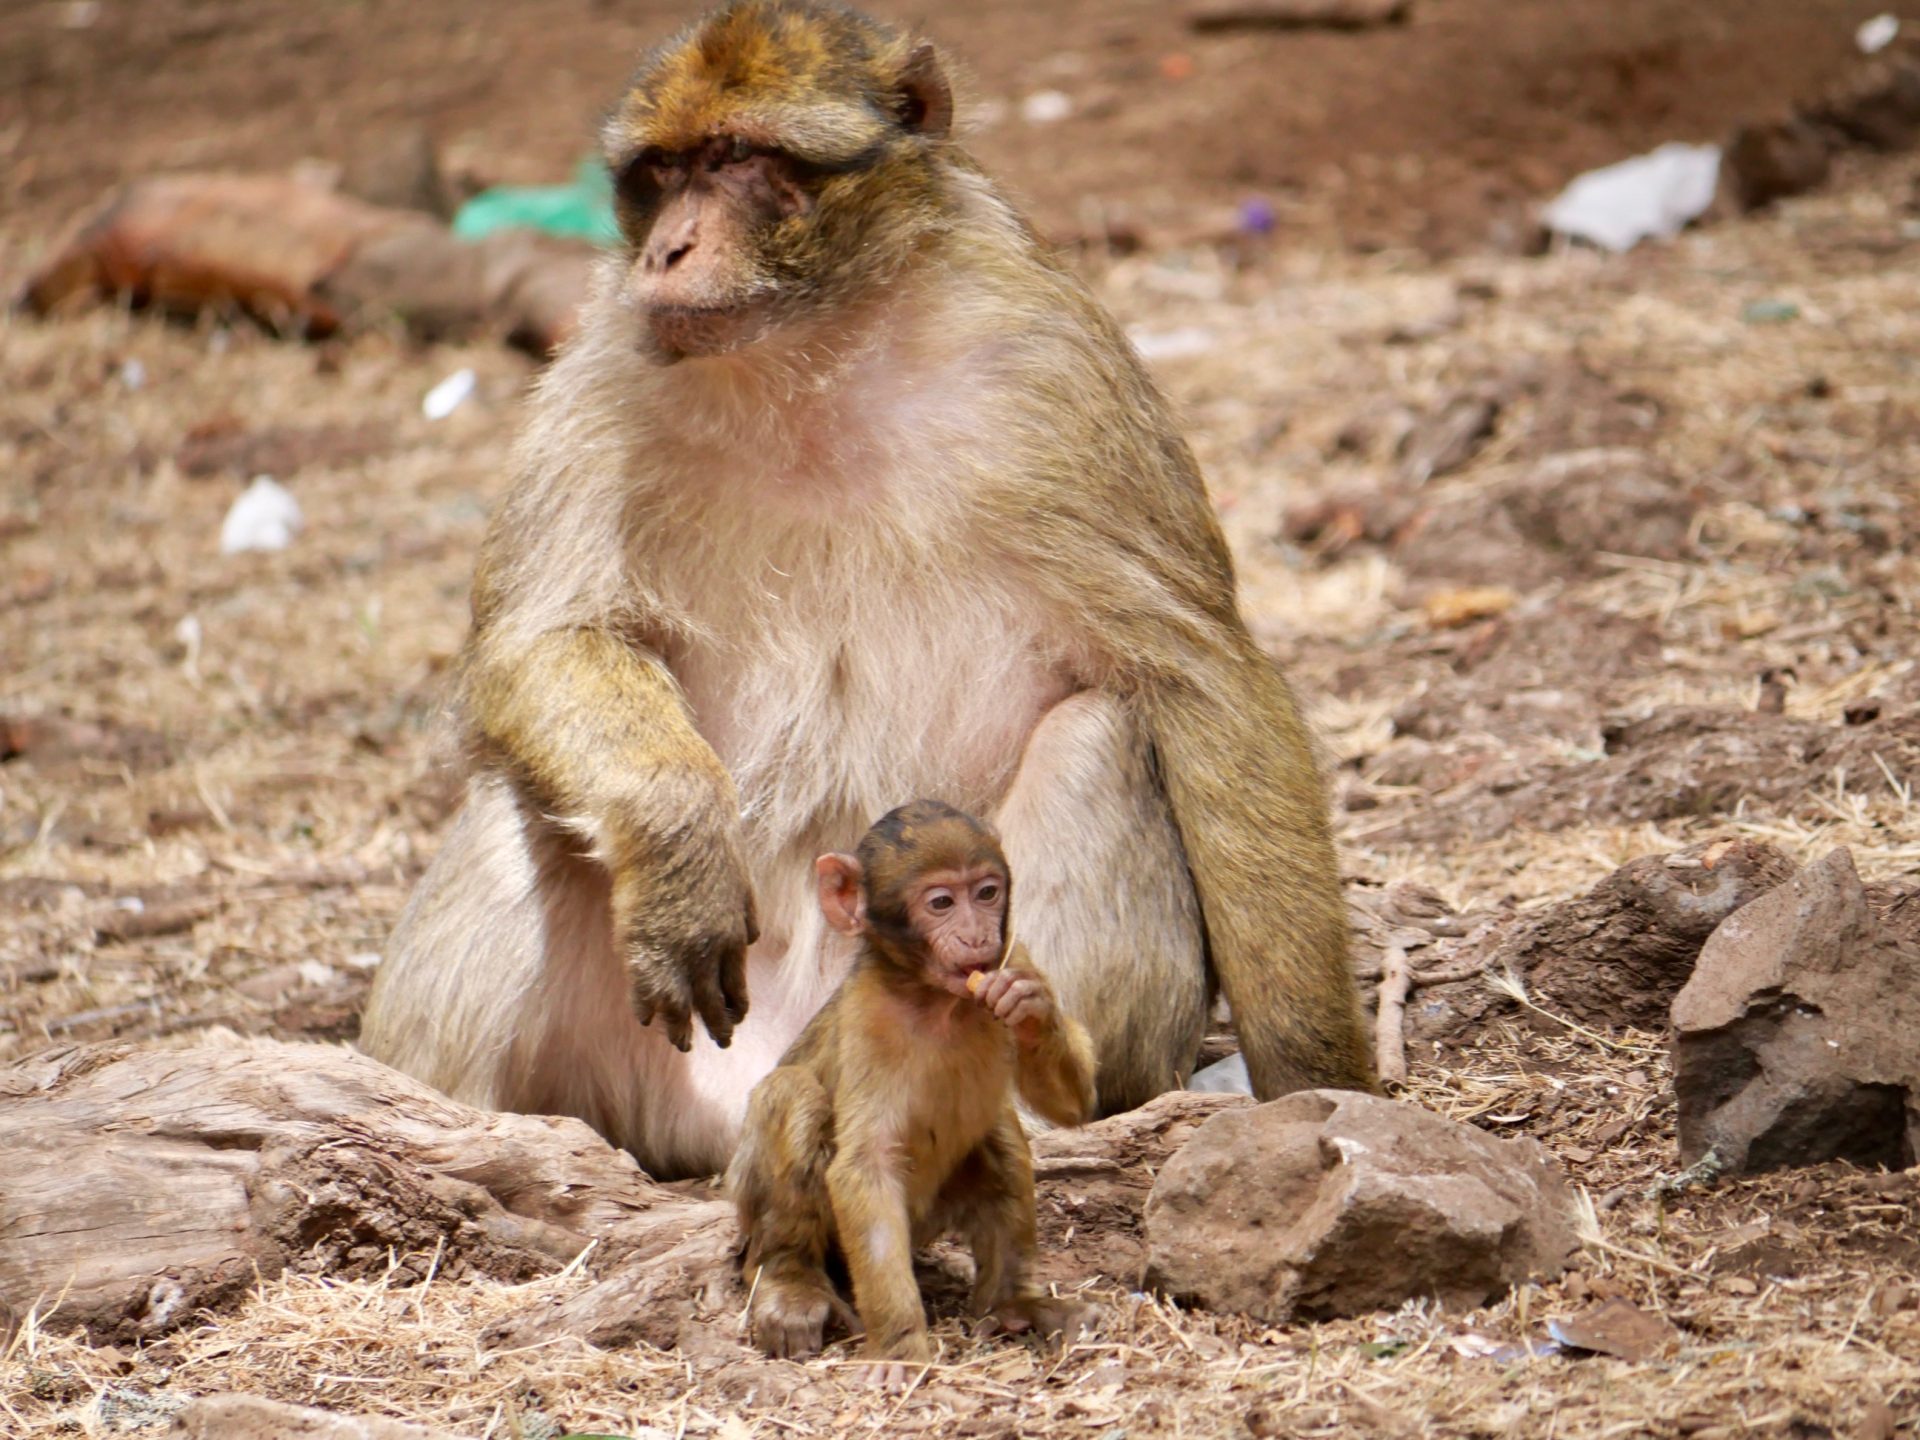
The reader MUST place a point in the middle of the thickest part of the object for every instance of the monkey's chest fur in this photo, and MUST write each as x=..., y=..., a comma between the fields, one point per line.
x=924, y=1082
x=843, y=659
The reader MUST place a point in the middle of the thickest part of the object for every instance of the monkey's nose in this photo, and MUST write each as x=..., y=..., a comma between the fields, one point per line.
x=668, y=250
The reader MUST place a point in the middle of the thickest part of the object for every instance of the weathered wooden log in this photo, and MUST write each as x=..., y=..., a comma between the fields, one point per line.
x=140, y=1186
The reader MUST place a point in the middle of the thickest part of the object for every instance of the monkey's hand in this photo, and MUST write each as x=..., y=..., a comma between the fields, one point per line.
x=1054, y=1072
x=1019, y=999
x=599, y=731
x=683, y=917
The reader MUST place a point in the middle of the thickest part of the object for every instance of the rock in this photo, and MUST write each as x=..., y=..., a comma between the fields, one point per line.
x=1551, y=521
x=1445, y=442
x=399, y=169
x=1297, y=14
x=1773, y=160
x=247, y=1417
x=1616, y=1327
x=1878, y=106
x=1614, y=956
x=1793, y=1043
x=1327, y=1203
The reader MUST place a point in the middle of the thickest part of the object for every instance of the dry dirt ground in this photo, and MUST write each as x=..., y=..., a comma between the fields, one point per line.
x=218, y=776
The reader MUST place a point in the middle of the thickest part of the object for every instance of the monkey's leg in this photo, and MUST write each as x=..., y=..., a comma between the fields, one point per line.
x=990, y=1198
x=502, y=987
x=779, y=1181
x=870, y=1218
x=1104, y=902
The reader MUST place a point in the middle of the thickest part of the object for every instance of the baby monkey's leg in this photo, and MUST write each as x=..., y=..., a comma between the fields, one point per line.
x=870, y=1219
x=991, y=1199
x=778, y=1179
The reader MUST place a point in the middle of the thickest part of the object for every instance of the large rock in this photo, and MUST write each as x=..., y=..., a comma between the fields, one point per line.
x=1798, y=1038
x=1327, y=1203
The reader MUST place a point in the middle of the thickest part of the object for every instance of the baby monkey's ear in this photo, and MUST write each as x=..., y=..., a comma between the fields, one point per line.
x=926, y=100
x=843, y=899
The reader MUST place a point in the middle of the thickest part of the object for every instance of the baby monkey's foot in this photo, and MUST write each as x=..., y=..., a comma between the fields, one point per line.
x=790, y=1314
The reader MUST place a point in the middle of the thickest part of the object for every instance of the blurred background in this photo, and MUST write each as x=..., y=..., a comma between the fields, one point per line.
x=1430, y=130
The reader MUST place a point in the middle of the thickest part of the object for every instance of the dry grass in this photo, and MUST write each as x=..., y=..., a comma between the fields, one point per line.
x=293, y=793
x=1795, y=1312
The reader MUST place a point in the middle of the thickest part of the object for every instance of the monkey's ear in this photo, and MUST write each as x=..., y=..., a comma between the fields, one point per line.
x=842, y=899
x=926, y=100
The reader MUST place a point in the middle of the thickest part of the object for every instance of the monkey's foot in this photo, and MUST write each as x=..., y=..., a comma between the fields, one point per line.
x=790, y=1315
x=900, y=1366
x=1044, y=1316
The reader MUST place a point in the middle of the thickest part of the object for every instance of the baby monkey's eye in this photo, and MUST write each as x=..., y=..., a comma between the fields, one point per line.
x=987, y=893
x=739, y=150
x=940, y=903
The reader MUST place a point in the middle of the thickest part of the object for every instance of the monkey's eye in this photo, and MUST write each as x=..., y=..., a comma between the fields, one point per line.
x=940, y=903
x=642, y=178
x=739, y=150
x=987, y=893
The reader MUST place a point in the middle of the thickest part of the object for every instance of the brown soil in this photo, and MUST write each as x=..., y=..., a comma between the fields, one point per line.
x=1432, y=133
x=219, y=776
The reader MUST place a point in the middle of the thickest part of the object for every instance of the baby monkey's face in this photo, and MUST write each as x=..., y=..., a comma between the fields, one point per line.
x=960, y=917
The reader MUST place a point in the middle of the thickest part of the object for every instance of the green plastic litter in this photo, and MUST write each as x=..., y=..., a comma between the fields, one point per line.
x=582, y=208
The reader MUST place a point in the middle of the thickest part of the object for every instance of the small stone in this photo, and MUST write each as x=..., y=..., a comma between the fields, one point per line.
x=1282, y=1210
x=1445, y=442
x=1615, y=1327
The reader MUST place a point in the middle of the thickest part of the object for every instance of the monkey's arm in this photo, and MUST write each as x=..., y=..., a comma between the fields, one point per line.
x=598, y=732
x=1054, y=1074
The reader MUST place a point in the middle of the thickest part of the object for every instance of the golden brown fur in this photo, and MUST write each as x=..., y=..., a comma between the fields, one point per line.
x=905, y=516
x=891, y=1120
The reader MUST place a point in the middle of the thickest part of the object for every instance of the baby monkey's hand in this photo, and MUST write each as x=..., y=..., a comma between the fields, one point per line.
x=1018, y=999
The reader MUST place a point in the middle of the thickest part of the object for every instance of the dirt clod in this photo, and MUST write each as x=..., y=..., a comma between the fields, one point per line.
x=1614, y=956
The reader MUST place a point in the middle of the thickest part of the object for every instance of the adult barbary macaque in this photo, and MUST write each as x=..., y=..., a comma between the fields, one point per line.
x=844, y=492
x=891, y=1119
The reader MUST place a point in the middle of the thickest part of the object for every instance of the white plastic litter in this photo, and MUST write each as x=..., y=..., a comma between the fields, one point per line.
x=448, y=396
x=1044, y=107
x=1655, y=194
x=1876, y=34
x=1223, y=1077
x=1179, y=344
x=265, y=517
x=190, y=636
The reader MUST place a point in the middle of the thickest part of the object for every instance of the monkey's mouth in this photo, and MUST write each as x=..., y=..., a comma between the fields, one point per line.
x=681, y=332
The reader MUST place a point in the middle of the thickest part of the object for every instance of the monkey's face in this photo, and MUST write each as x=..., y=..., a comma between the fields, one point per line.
x=770, y=166
x=960, y=919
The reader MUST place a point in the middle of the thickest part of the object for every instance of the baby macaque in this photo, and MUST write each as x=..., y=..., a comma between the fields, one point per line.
x=891, y=1118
